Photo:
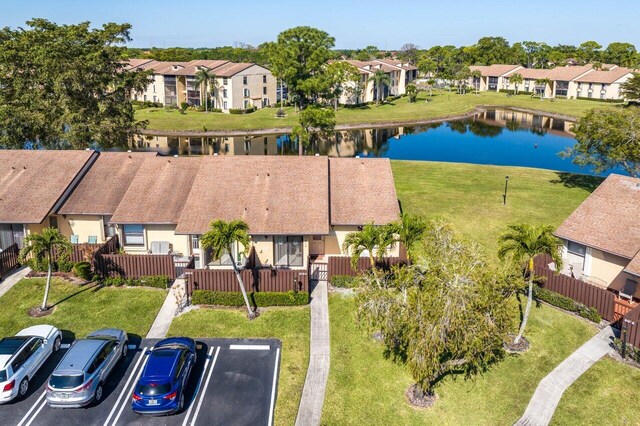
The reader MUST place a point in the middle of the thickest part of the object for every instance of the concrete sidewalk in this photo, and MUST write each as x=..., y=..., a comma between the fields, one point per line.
x=310, y=410
x=548, y=393
x=12, y=279
x=167, y=312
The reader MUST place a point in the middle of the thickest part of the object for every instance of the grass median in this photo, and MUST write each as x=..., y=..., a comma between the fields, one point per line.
x=441, y=105
x=291, y=325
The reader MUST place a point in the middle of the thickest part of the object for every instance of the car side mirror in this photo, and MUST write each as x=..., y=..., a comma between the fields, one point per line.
x=44, y=342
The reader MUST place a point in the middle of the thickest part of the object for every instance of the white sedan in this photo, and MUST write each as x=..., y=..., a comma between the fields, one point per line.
x=22, y=355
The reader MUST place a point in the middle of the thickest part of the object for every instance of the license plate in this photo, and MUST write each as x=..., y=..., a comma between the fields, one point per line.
x=64, y=395
x=152, y=402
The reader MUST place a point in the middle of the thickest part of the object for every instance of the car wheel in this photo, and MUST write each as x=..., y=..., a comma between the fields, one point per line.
x=181, y=404
x=24, y=387
x=125, y=349
x=56, y=344
x=98, y=395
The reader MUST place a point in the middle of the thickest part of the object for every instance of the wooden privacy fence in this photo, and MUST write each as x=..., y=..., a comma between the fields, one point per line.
x=8, y=259
x=341, y=265
x=631, y=327
x=134, y=266
x=580, y=291
x=280, y=280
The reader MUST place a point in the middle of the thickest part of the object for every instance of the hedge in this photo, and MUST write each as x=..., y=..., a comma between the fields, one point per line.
x=566, y=303
x=156, y=281
x=520, y=92
x=82, y=270
x=614, y=101
x=242, y=110
x=261, y=299
x=344, y=281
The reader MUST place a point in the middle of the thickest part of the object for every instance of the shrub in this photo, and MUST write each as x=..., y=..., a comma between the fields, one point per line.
x=183, y=107
x=566, y=303
x=242, y=110
x=170, y=107
x=344, y=281
x=631, y=352
x=584, y=98
x=280, y=113
x=82, y=270
x=37, y=265
x=63, y=263
x=156, y=281
x=263, y=298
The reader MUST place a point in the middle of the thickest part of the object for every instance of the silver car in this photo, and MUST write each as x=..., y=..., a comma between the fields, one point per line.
x=79, y=378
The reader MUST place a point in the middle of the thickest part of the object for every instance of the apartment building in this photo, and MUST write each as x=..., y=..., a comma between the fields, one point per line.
x=236, y=85
x=572, y=81
x=400, y=75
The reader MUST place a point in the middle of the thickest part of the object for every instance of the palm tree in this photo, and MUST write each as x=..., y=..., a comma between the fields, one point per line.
x=371, y=238
x=44, y=245
x=380, y=78
x=522, y=243
x=517, y=80
x=204, y=77
x=220, y=239
x=542, y=82
x=410, y=229
x=476, y=75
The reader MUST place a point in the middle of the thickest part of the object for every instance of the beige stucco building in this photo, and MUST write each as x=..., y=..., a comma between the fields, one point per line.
x=400, y=75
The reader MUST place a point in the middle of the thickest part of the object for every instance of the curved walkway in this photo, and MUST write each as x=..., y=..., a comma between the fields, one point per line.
x=548, y=393
x=12, y=279
x=310, y=410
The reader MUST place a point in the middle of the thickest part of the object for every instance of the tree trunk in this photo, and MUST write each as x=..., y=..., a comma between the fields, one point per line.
x=300, y=152
x=527, y=310
x=335, y=104
x=250, y=313
x=46, y=289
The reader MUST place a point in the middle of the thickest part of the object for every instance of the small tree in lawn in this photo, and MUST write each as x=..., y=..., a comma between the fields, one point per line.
x=204, y=78
x=220, y=239
x=412, y=92
x=476, y=75
x=371, y=239
x=410, y=230
x=446, y=314
x=522, y=243
x=517, y=80
x=43, y=246
x=380, y=79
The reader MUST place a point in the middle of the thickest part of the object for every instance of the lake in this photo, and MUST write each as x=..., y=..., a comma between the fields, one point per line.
x=497, y=137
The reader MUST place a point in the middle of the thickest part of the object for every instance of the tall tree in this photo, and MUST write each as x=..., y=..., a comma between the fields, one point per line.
x=412, y=92
x=630, y=89
x=522, y=243
x=476, y=75
x=409, y=52
x=66, y=85
x=517, y=80
x=492, y=50
x=622, y=54
x=374, y=240
x=589, y=51
x=204, y=78
x=298, y=56
x=340, y=75
x=44, y=246
x=380, y=79
x=410, y=231
x=447, y=314
x=221, y=239
x=608, y=138
x=312, y=119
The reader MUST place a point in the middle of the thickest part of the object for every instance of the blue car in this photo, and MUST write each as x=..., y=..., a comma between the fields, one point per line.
x=161, y=387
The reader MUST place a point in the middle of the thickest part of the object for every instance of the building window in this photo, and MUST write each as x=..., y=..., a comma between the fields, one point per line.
x=265, y=102
x=53, y=222
x=225, y=259
x=145, y=98
x=11, y=234
x=133, y=235
x=224, y=105
x=288, y=251
x=225, y=81
x=154, y=88
x=246, y=104
x=170, y=90
x=562, y=88
x=264, y=90
x=195, y=242
x=246, y=93
x=109, y=230
x=244, y=80
x=264, y=79
x=193, y=91
x=224, y=93
x=493, y=83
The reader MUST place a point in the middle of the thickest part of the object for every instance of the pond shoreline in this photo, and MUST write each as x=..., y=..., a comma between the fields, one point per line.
x=354, y=126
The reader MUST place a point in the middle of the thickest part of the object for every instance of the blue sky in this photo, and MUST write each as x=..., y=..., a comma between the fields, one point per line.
x=354, y=24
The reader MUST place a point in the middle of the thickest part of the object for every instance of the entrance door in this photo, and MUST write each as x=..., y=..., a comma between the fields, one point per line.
x=316, y=245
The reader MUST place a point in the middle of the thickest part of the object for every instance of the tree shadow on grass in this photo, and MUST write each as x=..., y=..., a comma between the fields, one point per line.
x=574, y=180
x=86, y=287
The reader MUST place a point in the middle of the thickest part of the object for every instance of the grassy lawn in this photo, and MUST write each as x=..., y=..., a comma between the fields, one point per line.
x=443, y=104
x=290, y=325
x=81, y=309
x=364, y=385
x=470, y=196
x=609, y=389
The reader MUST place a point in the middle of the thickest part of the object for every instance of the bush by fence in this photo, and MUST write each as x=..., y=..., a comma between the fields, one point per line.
x=260, y=299
x=566, y=303
x=344, y=281
x=134, y=266
x=156, y=281
x=341, y=265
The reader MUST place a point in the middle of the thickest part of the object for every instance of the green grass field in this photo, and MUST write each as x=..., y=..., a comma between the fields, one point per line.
x=364, y=385
x=470, y=196
x=443, y=104
x=81, y=309
x=290, y=325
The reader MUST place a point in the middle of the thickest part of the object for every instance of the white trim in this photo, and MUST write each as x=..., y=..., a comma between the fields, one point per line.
x=587, y=261
x=206, y=386
x=250, y=347
x=273, y=388
x=123, y=393
x=33, y=408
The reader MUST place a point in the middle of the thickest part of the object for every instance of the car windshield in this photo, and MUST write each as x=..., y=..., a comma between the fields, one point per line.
x=153, y=389
x=3, y=375
x=10, y=345
x=66, y=382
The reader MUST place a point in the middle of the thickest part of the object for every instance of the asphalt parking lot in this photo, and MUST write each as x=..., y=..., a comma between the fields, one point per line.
x=234, y=382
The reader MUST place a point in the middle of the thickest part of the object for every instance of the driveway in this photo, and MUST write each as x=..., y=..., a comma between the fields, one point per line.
x=234, y=383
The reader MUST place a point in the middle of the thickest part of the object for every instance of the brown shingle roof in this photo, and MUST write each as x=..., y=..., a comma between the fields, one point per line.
x=608, y=218
x=103, y=186
x=32, y=182
x=634, y=268
x=362, y=191
x=567, y=73
x=231, y=68
x=607, y=77
x=158, y=191
x=495, y=70
x=272, y=194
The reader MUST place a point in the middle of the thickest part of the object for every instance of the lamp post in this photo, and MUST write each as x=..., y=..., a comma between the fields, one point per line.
x=506, y=185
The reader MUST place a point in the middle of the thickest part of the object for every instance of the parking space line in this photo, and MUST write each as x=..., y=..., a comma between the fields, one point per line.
x=36, y=413
x=206, y=386
x=33, y=407
x=273, y=387
x=250, y=347
x=195, y=395
x=130, y=391
x=123, y=393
